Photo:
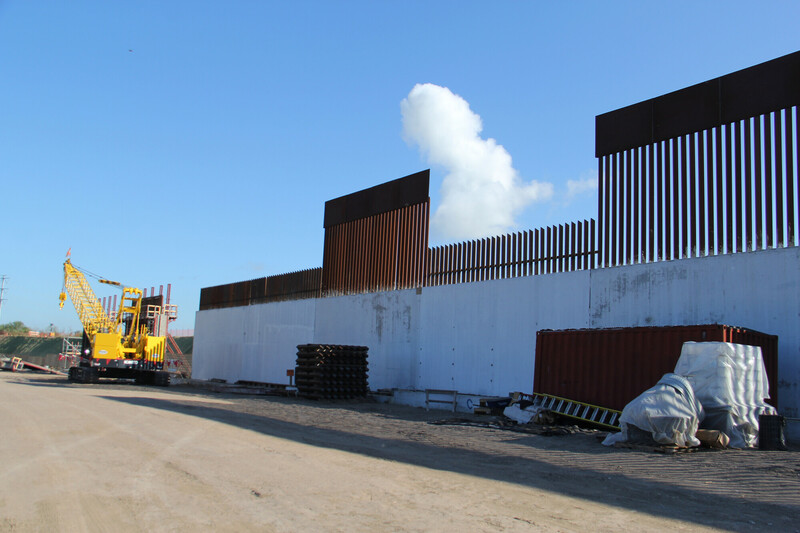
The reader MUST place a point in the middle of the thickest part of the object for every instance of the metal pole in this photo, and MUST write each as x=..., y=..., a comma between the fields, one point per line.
x=2, y=290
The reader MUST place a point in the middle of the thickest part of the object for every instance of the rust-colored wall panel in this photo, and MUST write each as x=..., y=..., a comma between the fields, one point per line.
x=650, y=234
x=628, y=238
x=736, y=138
x=676, y=202
x=748, y=193
x=726, y=190
x=686, y=196
x=383, y=198
x=780, y=234
x=291, y=286
x=790, y=179
x=385, y=251
x=636, y=207
x=753, y=91
x=663, y=200
x=567, y=247
x=709, y=182
x=615, y=181
x=768, y=190
x=667, y=219
x=602, y=207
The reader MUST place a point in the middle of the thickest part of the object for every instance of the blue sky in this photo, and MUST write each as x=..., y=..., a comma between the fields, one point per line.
x=195, y=143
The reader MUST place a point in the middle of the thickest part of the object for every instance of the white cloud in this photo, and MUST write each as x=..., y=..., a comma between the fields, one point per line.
x=482, y=193
x=586, y=184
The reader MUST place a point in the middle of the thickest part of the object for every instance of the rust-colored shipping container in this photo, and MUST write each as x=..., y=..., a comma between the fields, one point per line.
x=611, y=367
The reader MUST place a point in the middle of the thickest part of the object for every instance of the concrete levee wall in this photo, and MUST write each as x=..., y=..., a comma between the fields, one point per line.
x=386, y=322
x=479, y=338
x=255, y=343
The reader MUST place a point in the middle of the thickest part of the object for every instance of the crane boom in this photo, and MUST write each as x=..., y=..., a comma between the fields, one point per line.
x=91, y=314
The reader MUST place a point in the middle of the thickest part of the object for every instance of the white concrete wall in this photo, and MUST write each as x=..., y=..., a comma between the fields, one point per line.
x=479, y=338
x=255, y=343
x=387, y=322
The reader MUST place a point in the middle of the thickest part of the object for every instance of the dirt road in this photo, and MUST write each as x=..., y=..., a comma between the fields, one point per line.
x=126, y=458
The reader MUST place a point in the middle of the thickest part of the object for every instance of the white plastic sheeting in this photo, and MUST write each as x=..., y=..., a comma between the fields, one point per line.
x=731, y=383
x=669, y=412
x=537, y=414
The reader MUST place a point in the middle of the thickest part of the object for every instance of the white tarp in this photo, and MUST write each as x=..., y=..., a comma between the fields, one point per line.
x=518, y=415
x=668, y=412
x=730, y=381
x=535, y=414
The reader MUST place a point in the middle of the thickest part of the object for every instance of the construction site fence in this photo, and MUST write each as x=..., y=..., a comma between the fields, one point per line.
x=727, y=189
x=561, y=248
x=292, y=286
x=381, y=252
x=710, y=169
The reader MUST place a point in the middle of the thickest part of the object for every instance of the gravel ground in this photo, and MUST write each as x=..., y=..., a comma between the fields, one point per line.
x=119, y=457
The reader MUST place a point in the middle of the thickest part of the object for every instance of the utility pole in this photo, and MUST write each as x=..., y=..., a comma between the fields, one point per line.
x=3, y=279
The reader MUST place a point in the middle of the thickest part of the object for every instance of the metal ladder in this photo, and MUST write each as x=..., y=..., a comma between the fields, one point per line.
x=586, y=412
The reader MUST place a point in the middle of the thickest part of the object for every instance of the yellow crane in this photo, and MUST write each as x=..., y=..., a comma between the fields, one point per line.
x=119, y=346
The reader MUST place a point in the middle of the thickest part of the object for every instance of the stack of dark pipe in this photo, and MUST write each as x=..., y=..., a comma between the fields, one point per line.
x=331, y=371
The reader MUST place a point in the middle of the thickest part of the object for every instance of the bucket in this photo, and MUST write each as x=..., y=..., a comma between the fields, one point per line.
x=770, y=432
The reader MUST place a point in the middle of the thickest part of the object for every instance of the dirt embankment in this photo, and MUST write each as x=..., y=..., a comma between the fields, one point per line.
x=43, y=351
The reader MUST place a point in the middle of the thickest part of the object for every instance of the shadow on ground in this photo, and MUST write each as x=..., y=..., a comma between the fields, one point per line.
x=732, y=510
x=748, y=503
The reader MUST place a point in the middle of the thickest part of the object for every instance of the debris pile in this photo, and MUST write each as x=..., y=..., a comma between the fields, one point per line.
x=16, y=364
x=331, y=371
x=507, y=424
x=541, y=408
x=715, y=399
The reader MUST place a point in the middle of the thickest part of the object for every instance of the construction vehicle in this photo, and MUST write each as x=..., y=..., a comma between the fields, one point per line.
x=127, y=344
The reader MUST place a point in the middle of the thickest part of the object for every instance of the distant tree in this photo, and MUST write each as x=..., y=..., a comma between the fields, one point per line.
x=14, y=328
